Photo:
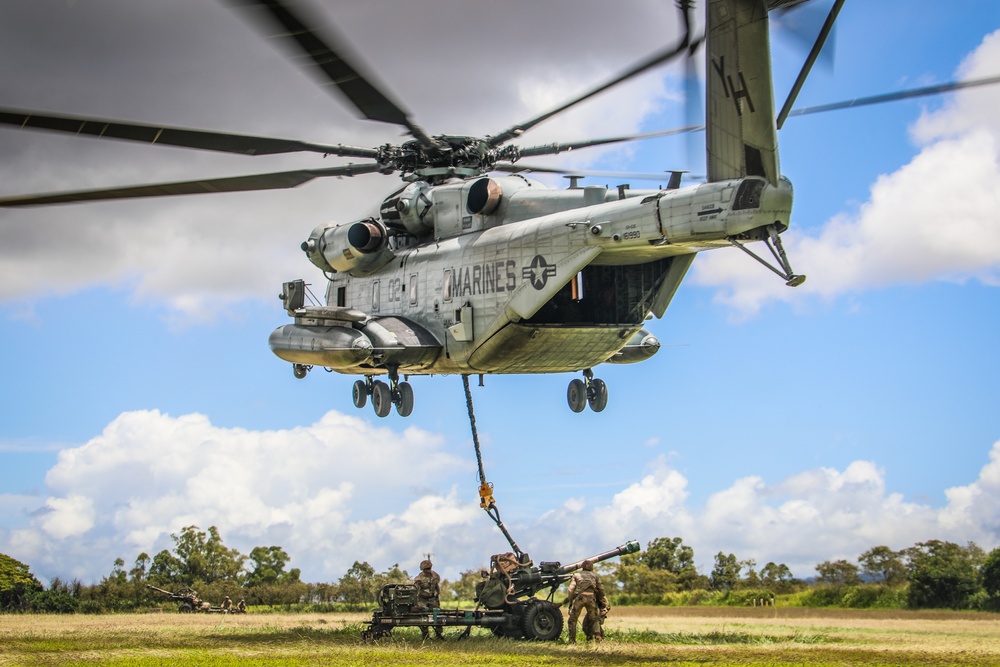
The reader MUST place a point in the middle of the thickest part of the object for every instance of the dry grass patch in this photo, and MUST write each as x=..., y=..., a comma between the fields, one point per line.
x=650, y=635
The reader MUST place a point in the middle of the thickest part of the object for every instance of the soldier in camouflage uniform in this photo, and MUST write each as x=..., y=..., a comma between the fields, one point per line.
x=428, y=584
x=586, y=592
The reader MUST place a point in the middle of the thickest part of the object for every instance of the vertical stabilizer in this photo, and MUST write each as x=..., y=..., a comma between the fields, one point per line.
x=740, y=131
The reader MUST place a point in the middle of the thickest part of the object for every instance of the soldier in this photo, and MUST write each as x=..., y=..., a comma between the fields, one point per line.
x=227, y=605
x=241, y=606
x=428, y=584
x=586, y=592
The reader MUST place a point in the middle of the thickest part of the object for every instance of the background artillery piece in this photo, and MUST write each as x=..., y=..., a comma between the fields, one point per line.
x=190, y=602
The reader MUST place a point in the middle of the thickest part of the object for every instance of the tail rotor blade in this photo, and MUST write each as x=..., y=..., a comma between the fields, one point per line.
x=810, y=60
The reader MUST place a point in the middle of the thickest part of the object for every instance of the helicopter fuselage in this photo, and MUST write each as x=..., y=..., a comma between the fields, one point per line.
x=536, y=281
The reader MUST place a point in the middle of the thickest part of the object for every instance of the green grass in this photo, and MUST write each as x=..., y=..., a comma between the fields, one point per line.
x=291, y=641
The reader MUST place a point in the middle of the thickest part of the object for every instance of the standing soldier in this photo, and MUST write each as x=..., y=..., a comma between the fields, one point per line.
x=586, y=592
x=428, y=584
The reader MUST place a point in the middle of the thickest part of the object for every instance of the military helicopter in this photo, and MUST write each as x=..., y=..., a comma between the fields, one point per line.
x=466, y=271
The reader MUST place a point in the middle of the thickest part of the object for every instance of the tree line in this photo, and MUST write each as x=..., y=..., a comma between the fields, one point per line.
x=932, y=574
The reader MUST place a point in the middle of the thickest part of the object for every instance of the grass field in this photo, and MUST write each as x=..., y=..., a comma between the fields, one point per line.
x=695, y=636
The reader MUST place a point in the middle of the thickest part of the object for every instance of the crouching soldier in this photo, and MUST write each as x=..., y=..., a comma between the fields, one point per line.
x=586, y=593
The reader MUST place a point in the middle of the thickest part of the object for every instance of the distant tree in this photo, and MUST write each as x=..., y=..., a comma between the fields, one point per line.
x=113, y=592
x=269, y=567
x=668, y=553
x=58, y=599
x=884, y=565
x=357, y=584
x=393, y=575
x=204, y=558
x=164, y=568
x=16, y=584
x=139, y=569
x=726, y=573
x=751, y=579
x=991, y=574
x=464, y=588
x=323, y=593
x=838, y=573
x=943, y=574
x=775, y=576
x=667, y=565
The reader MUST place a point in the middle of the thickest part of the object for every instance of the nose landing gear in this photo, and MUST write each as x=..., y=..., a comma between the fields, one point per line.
x=589, y=391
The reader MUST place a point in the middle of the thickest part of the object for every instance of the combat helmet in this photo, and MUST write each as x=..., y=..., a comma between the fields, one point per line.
x=588, y=565
x=425, y=564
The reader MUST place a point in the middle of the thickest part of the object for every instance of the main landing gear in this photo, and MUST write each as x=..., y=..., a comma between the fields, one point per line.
x=384, y=395
x=590, y=391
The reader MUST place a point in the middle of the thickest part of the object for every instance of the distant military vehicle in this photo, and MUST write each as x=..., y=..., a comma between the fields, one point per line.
x=506, y=600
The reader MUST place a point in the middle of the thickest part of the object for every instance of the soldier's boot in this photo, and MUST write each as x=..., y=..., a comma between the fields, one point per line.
x=571, y=631
x=438, y=632
x=424, y=632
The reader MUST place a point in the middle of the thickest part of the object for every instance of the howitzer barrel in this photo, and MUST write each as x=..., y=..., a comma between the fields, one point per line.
x=158, y=589
x=629, y=547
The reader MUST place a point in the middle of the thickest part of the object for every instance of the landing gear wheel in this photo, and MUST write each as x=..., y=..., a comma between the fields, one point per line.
x=543, y=622
x=381, y=398
x=597, y=395
x=576, y=395
x=360, y=394
x=404, y=404
x=299, y=370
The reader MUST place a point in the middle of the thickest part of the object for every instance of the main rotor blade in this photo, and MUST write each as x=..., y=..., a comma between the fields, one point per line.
x=900, y=95
x=330, y=57
x=810, y=60
x=656, y=59
x=272, y=181
x=553, y=149
x=643, y=176
x=172, y=136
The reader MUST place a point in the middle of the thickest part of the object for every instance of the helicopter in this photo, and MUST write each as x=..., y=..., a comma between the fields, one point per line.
x=463, y=271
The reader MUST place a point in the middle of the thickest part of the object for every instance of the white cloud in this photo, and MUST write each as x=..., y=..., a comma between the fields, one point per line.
x=328, y=488
x=342, y=490
x=932, y=219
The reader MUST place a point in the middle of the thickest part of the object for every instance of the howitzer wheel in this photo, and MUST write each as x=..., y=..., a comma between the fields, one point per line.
x=543, y=621
x=185, y=608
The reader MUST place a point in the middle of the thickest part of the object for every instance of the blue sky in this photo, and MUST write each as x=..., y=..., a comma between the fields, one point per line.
x=788, y=426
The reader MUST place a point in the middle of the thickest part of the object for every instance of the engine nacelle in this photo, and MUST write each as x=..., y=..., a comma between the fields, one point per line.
x=410, y=209
x=357, y=248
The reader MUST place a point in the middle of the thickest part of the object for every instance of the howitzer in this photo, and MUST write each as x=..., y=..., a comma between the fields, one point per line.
x=506, y=600
x=189, y=600
x=512, y=578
